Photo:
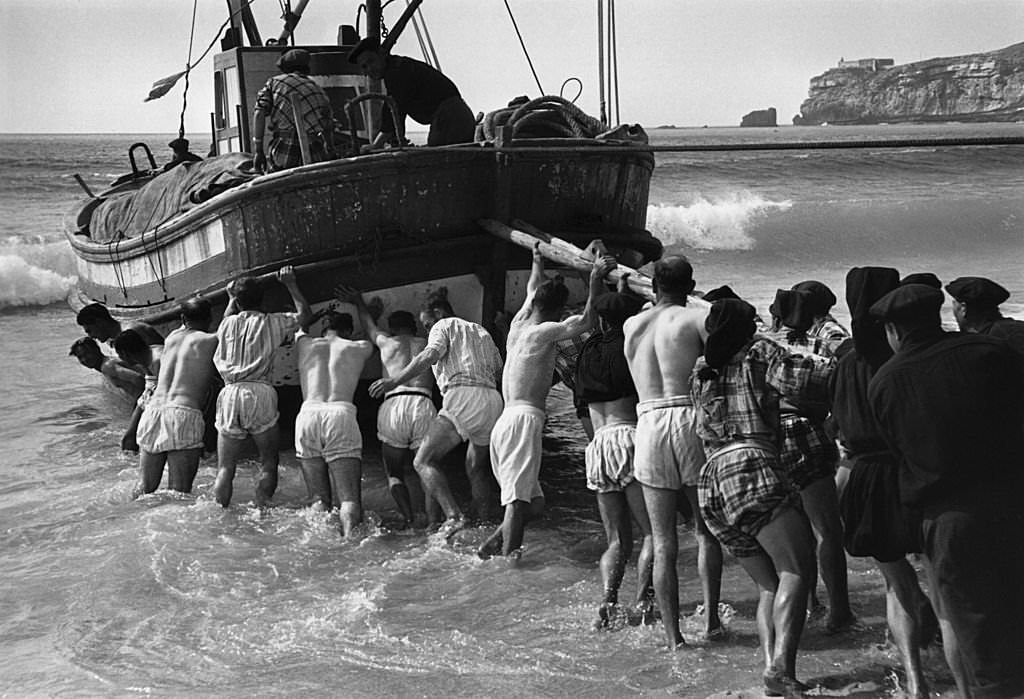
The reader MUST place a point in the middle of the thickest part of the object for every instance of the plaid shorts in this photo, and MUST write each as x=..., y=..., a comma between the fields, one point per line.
x=807, y=453
x=740, y=491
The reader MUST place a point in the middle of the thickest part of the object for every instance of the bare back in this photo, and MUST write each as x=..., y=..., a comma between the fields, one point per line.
x=397, y=351
x=186, y=367
x=662, y=345
x=329, y=367
x=530, y=361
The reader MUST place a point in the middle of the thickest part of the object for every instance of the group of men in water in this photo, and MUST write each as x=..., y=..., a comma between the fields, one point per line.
x=790, y=440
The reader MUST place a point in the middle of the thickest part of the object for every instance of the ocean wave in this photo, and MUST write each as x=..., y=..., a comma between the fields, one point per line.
x=25, y=284
x=712, y=223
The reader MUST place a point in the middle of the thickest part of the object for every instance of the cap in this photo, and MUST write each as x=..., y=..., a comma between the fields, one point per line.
x=977, y=291
x=909, y=302
x=615, y=308
x=178, y=143
x=922, y=278
x=293, y=58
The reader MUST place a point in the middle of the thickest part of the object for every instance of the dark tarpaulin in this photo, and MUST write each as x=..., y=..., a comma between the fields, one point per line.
x=130, y=214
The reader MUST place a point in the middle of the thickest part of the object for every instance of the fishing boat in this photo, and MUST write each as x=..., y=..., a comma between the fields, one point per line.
x=397, y=223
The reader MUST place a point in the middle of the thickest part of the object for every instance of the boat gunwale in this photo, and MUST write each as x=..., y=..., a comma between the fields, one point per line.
x=187, y=222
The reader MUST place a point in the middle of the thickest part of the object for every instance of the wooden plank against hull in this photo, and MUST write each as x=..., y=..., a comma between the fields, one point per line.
x=565, y=253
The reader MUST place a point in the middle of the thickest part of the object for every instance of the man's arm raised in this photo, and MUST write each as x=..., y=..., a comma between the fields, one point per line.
x=577, y=324
x=286, y=275
x=348, y=294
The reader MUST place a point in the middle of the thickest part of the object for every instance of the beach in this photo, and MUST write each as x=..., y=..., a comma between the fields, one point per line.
x=172, y=595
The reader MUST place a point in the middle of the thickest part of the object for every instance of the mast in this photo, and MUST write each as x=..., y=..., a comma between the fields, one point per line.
x=291, y=19
x=241, y=14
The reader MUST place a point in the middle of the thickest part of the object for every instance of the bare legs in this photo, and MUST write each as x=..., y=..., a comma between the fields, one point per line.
x=661, y=507
x=616, y=509
x=709, y=563
x=822, y=507
x=903, y=601
x=346, y=475
x=782, y=576
x=228, y=451
x=395, y=461
x=441, y=439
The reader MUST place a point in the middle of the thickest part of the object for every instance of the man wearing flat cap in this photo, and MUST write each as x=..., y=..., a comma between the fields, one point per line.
x=951, y=407
x=420, y=91
x=976, y=309
x=182, y=154
x=311, y=114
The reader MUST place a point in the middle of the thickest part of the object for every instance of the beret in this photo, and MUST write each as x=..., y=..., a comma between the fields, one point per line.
x=723, y=292
x=909, y=302
x=922, y=278
x=977, y=291
x=822, y=299
x=616, y=308
x=294, y=58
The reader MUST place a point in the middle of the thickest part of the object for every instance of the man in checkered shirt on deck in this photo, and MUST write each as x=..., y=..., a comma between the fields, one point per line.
x=274, y=104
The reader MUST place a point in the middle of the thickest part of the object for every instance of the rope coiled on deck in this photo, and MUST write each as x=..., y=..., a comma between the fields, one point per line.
x=549, y=116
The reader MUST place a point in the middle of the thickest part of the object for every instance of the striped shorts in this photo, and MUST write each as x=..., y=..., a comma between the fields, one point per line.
x=807, y=453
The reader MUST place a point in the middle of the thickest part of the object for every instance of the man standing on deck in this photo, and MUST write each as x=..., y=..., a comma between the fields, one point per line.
x=327, y=438
x=247, y=405
x=408, y=411
x=516, y=438
x=662, y=344
x=419, y=91
x=951, y=406
x=171, y=429
x=311, y=113
x=467, y=367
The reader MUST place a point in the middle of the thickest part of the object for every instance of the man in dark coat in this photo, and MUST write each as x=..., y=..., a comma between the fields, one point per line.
x=976, y=309
x=951, y=407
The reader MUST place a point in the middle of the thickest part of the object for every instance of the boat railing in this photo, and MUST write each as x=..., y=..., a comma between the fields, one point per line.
x=350, y=112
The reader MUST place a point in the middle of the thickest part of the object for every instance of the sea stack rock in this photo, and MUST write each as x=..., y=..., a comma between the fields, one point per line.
x=760, y=117
x=977, y=87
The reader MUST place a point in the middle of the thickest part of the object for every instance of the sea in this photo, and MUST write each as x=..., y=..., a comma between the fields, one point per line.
x=171, y=595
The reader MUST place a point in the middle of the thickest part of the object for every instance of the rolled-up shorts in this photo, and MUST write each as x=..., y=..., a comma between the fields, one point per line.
x=741, y=490
x=516, y=452
x=246, y=407
x=807, y=453
x=328, y=431
x=473, y=410
x=669, y=453
x=404, y=419
x=167, y=427
x=609, y=457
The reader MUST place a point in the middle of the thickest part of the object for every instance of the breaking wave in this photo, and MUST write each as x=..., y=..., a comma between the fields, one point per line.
x=712, y=223
x=35, y=274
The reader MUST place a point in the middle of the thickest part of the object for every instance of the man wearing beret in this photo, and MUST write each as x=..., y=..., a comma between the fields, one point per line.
x=976, y=309
x=311, y=113
x=182, y=154
x=420, y=91
x=951, y=407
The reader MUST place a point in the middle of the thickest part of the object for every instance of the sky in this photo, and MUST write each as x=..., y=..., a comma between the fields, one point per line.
x=85, y=66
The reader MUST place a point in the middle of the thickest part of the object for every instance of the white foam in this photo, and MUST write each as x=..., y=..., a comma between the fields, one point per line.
x=25, y=284
x=712, y=223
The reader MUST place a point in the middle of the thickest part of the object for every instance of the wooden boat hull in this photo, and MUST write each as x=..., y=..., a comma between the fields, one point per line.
x=377, y=222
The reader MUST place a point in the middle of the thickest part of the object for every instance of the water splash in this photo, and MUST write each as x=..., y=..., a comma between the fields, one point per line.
x=712, y=223
x=25, y=284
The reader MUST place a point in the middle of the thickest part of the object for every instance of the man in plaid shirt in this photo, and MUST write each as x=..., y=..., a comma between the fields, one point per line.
x=736, y=388
x=312, y=110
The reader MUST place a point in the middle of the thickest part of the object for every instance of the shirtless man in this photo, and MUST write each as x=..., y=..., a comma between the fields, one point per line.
x=408, y=411
x=98, y=324
x=662, y=345
x=516, y=438
x=171, y=428
x=116, y=371
x=327, y=438
x=467, y=367
x=135, y=348
x=247, y=405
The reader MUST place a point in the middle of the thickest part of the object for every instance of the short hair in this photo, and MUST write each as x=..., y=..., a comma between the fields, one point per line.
x=437, y=301
x=248, y=292
x=339, y=322
x=197, y=309
x=550, y=296
x=673, y=275
x=402, y=320
x=92, y=313
x=129, y=343
x=84, y=343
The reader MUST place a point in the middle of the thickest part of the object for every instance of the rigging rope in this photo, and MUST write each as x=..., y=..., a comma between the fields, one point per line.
x=523, y=44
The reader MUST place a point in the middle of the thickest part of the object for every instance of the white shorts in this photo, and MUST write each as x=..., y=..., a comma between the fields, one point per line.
x=669, y=454
x=167, y=427
x=404, y=418
x=515, y=453
x=328, y=431
x=246, y=407
x=473, y=410
x=609, y=457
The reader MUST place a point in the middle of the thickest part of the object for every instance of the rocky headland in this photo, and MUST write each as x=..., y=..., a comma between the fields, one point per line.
x=977, y=87
x=760, y=117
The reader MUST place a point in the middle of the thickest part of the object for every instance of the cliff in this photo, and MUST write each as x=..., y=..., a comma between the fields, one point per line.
x=977, y=87
x=760, y=117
